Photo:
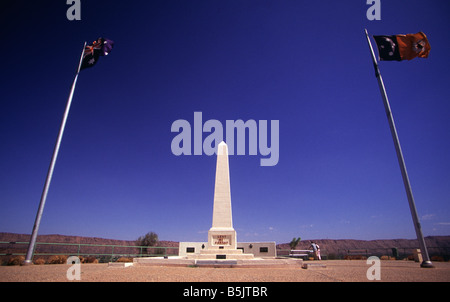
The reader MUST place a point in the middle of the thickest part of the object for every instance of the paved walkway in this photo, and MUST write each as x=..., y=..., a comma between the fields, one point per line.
x=334, y=271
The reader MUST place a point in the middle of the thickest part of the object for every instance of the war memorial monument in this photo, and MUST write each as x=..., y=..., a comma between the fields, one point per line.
x=222, y=247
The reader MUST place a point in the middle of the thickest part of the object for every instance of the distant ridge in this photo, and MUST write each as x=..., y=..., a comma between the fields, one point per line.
x=56, y=238
x=102, y=248
x=435, y=244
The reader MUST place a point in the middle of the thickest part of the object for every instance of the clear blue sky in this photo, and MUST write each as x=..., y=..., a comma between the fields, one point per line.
x=304, y=63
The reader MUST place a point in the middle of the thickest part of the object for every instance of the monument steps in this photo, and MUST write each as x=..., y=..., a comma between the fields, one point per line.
x=220, y=256
x=219, y=263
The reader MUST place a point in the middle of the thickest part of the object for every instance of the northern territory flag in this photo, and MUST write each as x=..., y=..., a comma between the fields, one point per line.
x=402, y=47
x=92, y=53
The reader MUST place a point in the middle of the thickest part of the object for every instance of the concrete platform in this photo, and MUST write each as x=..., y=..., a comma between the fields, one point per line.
x=243, y=263
x=120, y=264
x=313, y=265
x=406, y=272
x=221, y=254
x=161, y=261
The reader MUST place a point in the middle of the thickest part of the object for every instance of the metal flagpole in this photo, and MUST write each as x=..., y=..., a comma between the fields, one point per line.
x=426, y=259
x=32, y=244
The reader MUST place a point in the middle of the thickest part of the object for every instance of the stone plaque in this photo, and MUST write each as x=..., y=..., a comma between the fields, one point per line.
x=221, y=239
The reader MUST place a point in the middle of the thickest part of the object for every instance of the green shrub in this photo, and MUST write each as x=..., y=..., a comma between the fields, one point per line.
x=89, y=259
x=17, y=260
x=39, y=261
x=57, y=259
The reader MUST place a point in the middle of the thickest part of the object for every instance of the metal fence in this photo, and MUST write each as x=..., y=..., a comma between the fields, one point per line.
x=110, y=252
x=103, y=252
x=438, y=253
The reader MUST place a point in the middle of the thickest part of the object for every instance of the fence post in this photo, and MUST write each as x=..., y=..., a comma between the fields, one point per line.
x=112, y=253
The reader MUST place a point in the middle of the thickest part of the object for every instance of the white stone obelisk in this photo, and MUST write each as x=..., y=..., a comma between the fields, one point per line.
x=222, y=234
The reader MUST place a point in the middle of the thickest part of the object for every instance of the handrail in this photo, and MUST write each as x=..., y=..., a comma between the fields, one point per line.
x=78, y=253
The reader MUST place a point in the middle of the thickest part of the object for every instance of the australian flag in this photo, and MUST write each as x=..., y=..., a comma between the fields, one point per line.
x=101, y=47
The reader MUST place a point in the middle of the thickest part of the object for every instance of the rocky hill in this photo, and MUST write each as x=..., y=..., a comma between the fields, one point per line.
x=436, y=245
x=12, y=237
x=101, y=247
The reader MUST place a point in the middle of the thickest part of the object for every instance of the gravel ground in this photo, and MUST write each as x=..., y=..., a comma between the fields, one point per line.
x=335, y=271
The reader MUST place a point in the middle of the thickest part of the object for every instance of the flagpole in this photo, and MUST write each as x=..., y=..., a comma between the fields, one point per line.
x=426, y=259
x=32, y=244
